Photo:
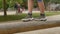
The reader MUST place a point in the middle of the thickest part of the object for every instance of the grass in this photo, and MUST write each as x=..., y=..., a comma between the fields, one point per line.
x=47, y=14
x=11, y=17
x=19, y=17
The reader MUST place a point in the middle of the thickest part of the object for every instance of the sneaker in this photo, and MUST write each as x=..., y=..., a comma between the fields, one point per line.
x=41, y=18
x=28, y=18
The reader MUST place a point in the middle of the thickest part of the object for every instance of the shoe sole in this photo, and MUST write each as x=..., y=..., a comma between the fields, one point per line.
x=44, y=20
x=34, y=20
x=26, y=20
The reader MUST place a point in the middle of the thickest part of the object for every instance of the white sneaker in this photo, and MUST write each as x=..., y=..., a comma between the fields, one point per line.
x=28, y=19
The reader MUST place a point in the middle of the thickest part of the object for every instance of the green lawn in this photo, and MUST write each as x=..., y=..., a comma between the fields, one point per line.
x=19, y=17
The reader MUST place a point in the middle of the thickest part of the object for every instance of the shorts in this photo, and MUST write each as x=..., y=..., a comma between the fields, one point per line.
x=39, y=0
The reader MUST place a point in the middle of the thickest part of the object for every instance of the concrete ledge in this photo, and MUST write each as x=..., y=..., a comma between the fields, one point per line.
x=10, y=28
x=53, y=30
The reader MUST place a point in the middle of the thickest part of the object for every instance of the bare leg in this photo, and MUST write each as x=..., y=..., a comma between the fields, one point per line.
x=41, y=7
x=42, y=13
x=30, y=5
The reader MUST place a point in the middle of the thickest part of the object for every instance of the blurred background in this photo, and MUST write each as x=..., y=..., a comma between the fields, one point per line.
x=7, y=8
x=50, y=5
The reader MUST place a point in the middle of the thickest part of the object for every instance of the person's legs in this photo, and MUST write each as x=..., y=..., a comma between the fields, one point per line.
x=41, y=8
x=16, y=11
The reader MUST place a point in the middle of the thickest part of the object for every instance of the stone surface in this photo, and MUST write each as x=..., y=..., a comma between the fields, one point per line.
x=55, y=30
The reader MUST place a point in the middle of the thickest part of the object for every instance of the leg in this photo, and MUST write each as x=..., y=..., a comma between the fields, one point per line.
x=30, y=6
x=41, y=7
x=16, y=11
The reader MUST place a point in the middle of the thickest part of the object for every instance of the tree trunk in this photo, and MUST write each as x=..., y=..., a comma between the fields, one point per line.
x=4, y=6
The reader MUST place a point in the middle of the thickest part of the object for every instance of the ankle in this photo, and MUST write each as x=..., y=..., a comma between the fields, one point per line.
x=42, y=15
x=30, y=15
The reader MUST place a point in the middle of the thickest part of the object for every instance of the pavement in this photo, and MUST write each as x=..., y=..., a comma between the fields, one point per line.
x=14, y=12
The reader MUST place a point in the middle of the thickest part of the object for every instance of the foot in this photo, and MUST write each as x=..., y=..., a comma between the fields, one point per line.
x=28, y=18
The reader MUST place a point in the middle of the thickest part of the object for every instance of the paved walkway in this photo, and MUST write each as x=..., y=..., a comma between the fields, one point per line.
x=14, y=12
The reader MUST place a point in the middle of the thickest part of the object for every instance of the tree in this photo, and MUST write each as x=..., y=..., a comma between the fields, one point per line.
x=0, y=4
x=4, y=6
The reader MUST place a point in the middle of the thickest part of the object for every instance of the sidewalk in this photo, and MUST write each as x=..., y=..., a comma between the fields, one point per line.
x=14, y=12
